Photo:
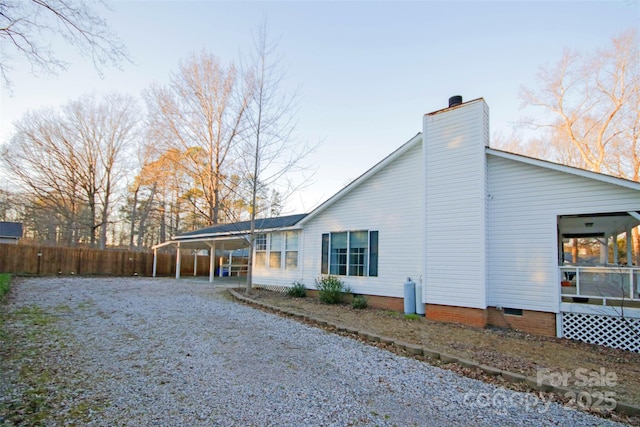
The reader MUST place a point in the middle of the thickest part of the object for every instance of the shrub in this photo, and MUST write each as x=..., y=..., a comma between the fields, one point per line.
x=330, y=289
x=298, y=290
x=359, y=302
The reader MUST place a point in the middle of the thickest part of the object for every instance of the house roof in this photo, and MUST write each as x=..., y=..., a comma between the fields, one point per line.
x=231, y=236
x=11, y=230
x=261, y=224
x=633, y=185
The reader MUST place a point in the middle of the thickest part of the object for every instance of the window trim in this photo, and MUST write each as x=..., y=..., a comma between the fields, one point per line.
x=372, y=253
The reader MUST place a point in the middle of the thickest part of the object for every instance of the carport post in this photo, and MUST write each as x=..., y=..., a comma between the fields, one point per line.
x=195, y=263
x=212, y=261
x=178, y=262
x=155, y=262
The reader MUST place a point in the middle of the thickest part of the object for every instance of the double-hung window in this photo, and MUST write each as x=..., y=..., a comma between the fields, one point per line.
x=350, y=253
x=277, y=250
x=261, y=251
x=291, y=248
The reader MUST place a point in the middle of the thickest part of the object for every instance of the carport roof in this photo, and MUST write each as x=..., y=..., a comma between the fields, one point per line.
x=232, y=235
x=243, y=227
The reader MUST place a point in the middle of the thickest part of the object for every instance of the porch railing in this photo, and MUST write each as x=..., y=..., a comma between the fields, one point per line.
x=606, y=283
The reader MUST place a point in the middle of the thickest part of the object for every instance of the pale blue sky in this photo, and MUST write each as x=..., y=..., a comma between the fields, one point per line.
x=367, y=71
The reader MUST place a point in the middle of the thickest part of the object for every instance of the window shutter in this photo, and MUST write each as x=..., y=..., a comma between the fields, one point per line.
x=373, y=253
x=324, y=269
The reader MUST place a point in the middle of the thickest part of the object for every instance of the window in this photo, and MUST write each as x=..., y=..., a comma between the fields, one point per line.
x=261, y=251
x=261, y=242
x=352, y=253
x=291, y=248
x=358, y=244
x=275, y=250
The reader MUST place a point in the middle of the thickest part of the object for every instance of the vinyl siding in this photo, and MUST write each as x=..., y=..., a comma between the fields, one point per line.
x=390, y=202
x=455, y=256
x=525, y=202
x=281, y=276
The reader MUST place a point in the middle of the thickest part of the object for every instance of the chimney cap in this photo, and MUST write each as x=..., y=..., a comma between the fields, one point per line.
x=455, y=100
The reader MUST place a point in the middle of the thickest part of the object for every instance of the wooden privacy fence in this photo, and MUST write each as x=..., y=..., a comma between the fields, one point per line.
x=47, y=260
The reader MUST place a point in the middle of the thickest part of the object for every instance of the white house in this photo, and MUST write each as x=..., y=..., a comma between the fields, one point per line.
x=489, y=235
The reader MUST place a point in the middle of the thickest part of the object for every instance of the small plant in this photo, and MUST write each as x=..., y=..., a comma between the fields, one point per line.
x=412, y=316
x=298, y=290
x=330, y=289
x=359, y=302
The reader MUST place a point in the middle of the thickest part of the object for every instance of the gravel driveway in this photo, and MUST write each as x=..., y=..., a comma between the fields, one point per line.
x=161, y=352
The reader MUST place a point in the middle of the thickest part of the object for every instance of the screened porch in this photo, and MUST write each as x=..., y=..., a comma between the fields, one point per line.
x=598, y=263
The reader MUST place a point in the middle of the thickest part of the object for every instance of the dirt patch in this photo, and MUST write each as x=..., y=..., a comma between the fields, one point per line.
x=504, y=349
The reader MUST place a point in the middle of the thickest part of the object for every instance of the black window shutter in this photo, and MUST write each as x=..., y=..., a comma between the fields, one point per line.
x=373, y=253
x=324, y=269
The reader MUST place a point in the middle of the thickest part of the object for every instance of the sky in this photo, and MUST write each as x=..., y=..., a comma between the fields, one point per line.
x=365, y=71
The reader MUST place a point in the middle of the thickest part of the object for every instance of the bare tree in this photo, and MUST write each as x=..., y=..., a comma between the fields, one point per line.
x=270, y=153
x=201, y=113
x=159, y=185
x=44, y=161
x=26, y=26
x=69, y=161
x=592, y=101
x=103, y=131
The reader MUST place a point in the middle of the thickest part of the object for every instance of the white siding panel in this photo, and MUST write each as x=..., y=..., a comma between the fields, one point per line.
x=525, y=202
x=390, y=202
x=455, y=255
x=281, y=276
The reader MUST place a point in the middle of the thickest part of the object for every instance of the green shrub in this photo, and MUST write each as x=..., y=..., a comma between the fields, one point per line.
x=5, y=278
x=359, y=302
x=298, y=290
x=330, y=289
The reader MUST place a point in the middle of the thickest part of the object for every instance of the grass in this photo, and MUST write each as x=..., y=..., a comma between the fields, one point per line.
x=412, y=316
x=5, y=285
x=42, y=391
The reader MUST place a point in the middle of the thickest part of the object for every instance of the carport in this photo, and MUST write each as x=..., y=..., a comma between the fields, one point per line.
x=222, y=237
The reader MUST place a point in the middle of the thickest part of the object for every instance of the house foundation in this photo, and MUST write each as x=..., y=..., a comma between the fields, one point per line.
x=532, y=322
x=475, y=317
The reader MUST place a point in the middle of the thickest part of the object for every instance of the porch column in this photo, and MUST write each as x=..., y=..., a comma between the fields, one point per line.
x=629, y=232
x=178, y=262
x=212, y=261
x=604, y=250
x=195, y=263
x=155, y=262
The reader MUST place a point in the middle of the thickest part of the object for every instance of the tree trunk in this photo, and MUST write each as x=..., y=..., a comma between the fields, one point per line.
x=134, y=213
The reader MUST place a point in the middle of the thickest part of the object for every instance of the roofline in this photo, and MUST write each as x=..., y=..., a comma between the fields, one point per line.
x=356, y=182
x=235, y=233
x=199, y=239
x=442, y=110
x=609, y=179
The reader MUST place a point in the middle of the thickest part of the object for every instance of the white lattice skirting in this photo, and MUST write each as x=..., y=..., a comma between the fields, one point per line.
x=605, y=330
x=274, y=288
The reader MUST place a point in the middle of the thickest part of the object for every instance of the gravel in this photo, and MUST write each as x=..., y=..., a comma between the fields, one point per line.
x=158, y=352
